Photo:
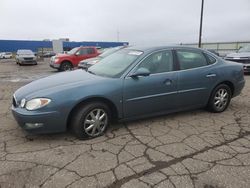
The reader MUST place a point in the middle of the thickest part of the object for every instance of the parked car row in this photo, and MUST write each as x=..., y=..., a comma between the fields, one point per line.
x=242, y=56
x=6, y=55
x=131, y=83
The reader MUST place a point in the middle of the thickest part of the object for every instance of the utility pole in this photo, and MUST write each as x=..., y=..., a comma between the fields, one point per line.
x=201, y=20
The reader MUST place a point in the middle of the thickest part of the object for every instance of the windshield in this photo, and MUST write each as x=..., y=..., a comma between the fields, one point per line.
x=116, y=64
x=110, y=51
x=25, y=52
x=73, y=51
x=245, y=49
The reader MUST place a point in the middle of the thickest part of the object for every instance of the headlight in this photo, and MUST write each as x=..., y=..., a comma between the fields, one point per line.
x=56, y=59
x=93, y=62
x=34, y=104
x=22, y=104
x=53, y=58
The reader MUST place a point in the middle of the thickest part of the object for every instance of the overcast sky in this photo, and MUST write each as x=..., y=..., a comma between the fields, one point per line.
x=140, y=22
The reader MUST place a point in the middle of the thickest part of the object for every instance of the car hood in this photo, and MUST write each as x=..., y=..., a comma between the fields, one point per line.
x=71, y=78
x=241, y=54
x=63, y=55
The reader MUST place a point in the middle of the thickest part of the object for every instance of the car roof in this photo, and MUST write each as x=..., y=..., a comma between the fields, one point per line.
x=154, y=48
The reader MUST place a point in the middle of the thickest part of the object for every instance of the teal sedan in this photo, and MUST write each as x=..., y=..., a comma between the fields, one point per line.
x=133, y=83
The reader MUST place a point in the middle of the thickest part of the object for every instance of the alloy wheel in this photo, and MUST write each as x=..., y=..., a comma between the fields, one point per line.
x=221, y=99
x=95, y=122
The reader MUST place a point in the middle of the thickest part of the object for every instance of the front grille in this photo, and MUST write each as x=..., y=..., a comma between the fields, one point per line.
x=28, y=58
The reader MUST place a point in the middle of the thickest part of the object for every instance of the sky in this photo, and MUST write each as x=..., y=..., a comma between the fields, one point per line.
x=139, y=22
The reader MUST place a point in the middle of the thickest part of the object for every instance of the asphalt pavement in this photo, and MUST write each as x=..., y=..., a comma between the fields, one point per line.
x=187, y=149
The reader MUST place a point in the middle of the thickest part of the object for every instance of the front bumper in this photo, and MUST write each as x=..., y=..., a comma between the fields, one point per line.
x=39, y=122
x=54, y=65
x=28, y=62
x=246, y=68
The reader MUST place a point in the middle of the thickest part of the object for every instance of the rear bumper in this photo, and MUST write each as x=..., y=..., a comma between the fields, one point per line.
x=238, y=88
x=39, y=122
x=244, y=62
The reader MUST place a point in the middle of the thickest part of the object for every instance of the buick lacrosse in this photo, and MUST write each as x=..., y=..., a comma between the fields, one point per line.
x=130, y=84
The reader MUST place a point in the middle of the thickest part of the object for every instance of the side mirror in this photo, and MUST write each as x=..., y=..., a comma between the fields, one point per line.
x=140, y=72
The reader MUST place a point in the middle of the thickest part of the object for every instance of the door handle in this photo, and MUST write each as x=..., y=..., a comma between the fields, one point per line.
x=168, y=82
x=210, y=75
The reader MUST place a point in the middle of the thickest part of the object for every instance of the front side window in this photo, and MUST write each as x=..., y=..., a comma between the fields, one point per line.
x=82, y=51
x=190, y=59
x=158, y=62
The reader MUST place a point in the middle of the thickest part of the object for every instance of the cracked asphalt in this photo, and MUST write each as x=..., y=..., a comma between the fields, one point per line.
x=188, y=149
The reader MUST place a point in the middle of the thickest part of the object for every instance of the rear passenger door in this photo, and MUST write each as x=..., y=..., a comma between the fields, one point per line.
x=195, y=78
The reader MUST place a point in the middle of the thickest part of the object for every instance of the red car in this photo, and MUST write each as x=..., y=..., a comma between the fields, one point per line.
x=70, y=60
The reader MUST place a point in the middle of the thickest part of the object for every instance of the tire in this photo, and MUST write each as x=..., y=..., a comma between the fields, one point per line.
x=220, y=98
x=66, y=66
x=84, y=123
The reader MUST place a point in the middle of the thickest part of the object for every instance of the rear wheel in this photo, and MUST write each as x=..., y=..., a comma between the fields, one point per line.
x=220, y=98
x=66, y=66
x=90, y=120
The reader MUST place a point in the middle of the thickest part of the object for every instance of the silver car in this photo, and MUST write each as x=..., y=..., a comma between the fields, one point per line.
x=25, y=57
x=242, y=56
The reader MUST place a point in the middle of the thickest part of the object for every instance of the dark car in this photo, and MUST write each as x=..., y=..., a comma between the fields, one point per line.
x=130, y=84
x=242, y=56
x=85, y=64
x=49, y=54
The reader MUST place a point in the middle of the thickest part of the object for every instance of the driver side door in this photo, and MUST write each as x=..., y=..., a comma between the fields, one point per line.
x=156, y=93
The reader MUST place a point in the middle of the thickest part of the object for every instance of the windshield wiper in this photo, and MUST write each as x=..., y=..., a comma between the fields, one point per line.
x=90, y=72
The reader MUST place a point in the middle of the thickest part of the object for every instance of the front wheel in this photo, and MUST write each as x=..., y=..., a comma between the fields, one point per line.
x=66, y=66
x=90, y=120
x=220, y=98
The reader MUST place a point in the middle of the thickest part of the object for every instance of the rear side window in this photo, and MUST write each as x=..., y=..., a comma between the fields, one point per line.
x=211, y=60
x=190, y=59
x=90, y=51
